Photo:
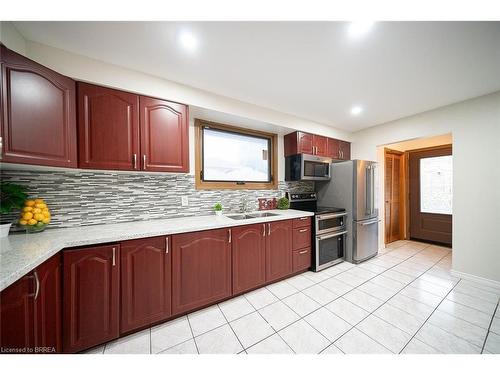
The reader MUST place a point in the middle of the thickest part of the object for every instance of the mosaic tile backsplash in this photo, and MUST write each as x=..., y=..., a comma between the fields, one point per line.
x=87, y=198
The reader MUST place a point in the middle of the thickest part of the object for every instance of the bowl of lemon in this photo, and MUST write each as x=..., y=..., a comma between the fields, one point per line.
x=35, y=216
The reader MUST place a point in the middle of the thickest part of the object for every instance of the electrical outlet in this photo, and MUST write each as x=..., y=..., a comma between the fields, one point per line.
x=184, y=201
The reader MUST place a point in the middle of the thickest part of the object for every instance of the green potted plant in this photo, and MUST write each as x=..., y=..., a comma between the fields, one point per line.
x=283, y=204
x=218, y=209
x=12, y=196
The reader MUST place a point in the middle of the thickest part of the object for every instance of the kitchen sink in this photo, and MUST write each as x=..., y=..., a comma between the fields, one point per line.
x=251, y=216
x=263, y=214
x=240, y=217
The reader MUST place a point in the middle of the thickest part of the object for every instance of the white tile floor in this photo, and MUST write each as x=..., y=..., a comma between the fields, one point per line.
x=403, y=301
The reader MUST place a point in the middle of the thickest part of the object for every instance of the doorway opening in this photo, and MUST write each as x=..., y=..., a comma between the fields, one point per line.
x=417, y=190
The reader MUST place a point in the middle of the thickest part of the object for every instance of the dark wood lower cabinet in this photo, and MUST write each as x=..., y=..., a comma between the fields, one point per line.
x=91, y=296
x=145, y=282
x=278, y=250
x=30, y=311
x=48, y=307
x=201, y=269
x=249, y=257
x=16, y=316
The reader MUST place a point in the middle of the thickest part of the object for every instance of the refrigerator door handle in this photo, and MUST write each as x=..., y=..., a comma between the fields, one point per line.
x=369, y=222
x=368, y=193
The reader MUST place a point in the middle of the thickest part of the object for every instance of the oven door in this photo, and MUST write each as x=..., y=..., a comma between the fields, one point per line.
x=330, y=222
x=315, y=168
x=330, y=250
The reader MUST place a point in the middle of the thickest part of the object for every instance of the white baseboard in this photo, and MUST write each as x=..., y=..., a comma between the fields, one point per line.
x=477, y=279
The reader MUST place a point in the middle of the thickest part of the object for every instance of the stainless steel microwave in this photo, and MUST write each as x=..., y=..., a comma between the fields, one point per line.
x=307, y=167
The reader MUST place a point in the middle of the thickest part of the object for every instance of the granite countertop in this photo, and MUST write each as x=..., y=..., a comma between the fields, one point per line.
x=21, y=253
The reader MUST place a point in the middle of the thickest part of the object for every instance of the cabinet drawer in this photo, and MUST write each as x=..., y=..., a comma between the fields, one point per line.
x=302, y=222
x=302, y=259
x=301, y=238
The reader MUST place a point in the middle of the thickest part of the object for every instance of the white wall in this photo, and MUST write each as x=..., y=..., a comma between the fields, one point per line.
x=475, y=128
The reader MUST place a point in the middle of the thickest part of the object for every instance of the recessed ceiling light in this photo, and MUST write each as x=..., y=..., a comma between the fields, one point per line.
x=357, y=29
x=356, y=110
x=188, y=41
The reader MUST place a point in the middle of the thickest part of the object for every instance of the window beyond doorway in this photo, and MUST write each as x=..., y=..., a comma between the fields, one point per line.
x=436, y=185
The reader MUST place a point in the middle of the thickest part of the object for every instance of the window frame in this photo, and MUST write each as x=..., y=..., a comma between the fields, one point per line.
x=200, y=184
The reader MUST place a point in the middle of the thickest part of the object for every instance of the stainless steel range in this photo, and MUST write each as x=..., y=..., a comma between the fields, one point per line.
x=329, y=230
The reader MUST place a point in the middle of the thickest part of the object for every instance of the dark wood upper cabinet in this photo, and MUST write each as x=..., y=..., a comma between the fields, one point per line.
x=108, y=128
x=278, y=249
x=145, y=282
x=30, y=311
x=320, y=145
x=201, y=269
x=249, y=257
x=48, y=305
x=91, y=287
x=304, y=143
x=38, y=116
x=164, y=135
x=345, y=150
x=16, y=315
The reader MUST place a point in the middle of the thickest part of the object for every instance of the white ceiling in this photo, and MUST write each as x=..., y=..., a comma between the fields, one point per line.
x=313, y=70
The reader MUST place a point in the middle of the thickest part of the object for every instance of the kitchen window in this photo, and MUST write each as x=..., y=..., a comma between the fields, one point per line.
x=234, y=158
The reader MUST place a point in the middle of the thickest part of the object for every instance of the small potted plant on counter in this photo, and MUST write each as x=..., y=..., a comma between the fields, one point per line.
x=283, y=204
x=218, y=209
x=12, y=196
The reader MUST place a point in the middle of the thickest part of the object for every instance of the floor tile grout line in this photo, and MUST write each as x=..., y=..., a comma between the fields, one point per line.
x=489, y=328
x=231, y=327
x=459, y=318
x=422, y=325
x=192, y=334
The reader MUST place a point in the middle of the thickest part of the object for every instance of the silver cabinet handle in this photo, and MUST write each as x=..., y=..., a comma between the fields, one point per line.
x=144, y=161
x=303, y=218
x=1, y=148
x=114, y=256
x=303, y=230
x=37, y=285
x=263, y=230
x=167, y=242
x=268, y=229
x=230, y=235
x=303, y=251
x=134, y=158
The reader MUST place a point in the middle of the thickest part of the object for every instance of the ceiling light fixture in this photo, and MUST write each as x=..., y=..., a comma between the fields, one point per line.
x=188, y=41
x=357, y=29
x=356, y=110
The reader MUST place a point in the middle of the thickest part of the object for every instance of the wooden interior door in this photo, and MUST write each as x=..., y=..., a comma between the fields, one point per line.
x=393, y=195
x=430, y=221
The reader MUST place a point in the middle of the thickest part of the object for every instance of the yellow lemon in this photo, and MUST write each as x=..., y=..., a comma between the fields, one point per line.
x=32, y=222
x=39, y=200
x=37, y=210
x=28, y=209
x=46, y=220
x=23, y=222
x=46, y=213
x=27, y=215
x=40, y=205
x=39, y=217
x=29, y=203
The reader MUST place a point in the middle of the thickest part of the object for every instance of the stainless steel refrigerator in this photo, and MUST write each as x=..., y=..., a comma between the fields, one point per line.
x=353, y=187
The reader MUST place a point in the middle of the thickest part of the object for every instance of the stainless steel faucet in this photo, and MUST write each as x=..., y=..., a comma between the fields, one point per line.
x=244, y=204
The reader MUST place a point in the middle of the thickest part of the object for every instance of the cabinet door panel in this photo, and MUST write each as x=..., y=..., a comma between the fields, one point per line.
x=279, y=250
x=304, y=143
x=302, y=259
x=48, y=306
x=320, y=144
x=91, y=296
x=201, y=269
x=345, y=149
x=333, y=148
x=249, y=257
x=301, y=237
x=145, y=282
x=108, y=128
x=164, y=136
x=38, y=120
x=16, y=315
